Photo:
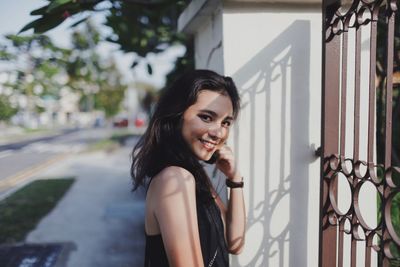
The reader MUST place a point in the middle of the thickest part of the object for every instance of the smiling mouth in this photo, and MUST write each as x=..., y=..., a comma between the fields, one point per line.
x=208, y=145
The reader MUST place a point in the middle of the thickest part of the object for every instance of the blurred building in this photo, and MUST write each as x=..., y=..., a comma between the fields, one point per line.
x=51, y=112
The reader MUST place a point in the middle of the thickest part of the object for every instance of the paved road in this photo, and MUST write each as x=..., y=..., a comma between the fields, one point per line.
x=18, y=158
x=20, y=144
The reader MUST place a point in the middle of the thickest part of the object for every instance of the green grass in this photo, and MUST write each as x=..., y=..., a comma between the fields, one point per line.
x=37, y=130
x=121, y=137
x=112, y=143
x=22, y=211
x=106, y=144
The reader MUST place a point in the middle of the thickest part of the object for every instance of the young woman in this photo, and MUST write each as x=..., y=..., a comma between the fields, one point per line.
x=186, y=223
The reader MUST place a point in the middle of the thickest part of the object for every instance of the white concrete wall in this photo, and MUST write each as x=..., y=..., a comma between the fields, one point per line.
x=208, y=42
x=274, y=55
x=276, y=61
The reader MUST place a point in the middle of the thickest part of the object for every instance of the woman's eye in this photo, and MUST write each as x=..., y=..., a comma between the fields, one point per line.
x=205, y=118
x=226, y=123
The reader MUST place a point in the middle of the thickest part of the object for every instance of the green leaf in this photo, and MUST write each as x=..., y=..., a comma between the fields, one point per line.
x=79, y=22
x=134, y=64
x=149, y=69
x=57, y=3
x=48, y=23
x=39, y=11
x=30, y=25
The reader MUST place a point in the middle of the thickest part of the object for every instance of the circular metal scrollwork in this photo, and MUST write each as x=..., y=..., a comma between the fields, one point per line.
x=390, y=249
x=390, y=176
x=358, y=180
x=345, y=14
x=346, y=6
x=373, y=240
x=395, y=235
x=376, y=173
x=344, y=191
x=334, y=162
x=361, y=169
x=347, y=166
x=362, y=190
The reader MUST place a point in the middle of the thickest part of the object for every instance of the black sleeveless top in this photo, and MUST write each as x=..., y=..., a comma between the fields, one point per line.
x=212, y=241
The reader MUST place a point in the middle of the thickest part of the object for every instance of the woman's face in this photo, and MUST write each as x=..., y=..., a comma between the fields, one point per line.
x=206, y=123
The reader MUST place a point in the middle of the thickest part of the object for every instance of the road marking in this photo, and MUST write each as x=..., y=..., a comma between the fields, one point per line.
x=5, y=153
x=25, y=175
x=58, y=148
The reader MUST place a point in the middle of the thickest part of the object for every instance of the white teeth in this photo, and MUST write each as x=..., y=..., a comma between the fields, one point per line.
x=208, y=144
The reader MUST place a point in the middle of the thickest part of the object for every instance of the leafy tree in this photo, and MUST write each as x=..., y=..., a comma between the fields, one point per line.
x=6, y=109
x=85, y=66
x=381, y=101
x=39, y=68
x=4, y=54
x=109, y=100
x=381, y=112
x=111, y=93
x=148, y=96
x=35, y=63
x=98, y=80
x=138, y=26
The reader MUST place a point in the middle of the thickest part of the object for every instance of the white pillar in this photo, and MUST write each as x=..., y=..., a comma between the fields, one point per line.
x=273, y=52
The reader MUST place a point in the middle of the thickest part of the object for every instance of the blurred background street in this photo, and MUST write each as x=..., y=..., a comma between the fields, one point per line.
x=73, y=102
x=20, y=156
x=99, y=221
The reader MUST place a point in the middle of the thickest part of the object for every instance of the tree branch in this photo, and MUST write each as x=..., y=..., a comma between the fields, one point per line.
x=139, y=2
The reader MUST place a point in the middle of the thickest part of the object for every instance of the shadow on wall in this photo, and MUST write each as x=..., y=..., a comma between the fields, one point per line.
x=278, y=202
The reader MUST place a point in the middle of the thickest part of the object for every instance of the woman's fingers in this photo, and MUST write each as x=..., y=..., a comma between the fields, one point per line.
x=226, y=161
x=226, y=154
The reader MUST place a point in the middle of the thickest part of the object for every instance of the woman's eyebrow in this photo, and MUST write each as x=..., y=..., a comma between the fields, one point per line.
x=210, y=112
x=229, y=118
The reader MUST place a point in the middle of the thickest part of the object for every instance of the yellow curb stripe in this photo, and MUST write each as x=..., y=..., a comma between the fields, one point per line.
x=22, y=176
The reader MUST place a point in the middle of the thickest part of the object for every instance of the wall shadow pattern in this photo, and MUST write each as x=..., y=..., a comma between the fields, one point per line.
x=286, y=60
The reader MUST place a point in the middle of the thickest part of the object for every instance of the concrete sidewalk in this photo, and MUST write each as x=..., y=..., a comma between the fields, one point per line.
x=99, y=216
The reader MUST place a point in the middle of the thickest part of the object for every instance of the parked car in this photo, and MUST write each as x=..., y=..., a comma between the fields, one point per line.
x=139, y=122
x=120, y=122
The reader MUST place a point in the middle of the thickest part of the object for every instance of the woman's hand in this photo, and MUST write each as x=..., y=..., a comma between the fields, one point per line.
x=235, y=212
x=227, y=165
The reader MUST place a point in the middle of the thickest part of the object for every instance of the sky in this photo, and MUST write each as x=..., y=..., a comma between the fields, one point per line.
x=14, y=15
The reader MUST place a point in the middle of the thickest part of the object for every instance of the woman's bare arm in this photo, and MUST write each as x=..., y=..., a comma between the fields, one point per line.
x=174, y=207
x=235, y=220
x=235, y=214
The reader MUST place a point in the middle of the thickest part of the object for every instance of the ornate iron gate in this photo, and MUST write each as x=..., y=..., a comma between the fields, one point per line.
x=343, y=64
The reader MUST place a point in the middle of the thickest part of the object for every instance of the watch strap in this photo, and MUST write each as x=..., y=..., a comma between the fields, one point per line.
x=232, y=184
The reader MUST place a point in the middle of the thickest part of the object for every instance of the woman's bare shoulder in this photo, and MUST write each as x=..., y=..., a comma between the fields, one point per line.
x=173, y=178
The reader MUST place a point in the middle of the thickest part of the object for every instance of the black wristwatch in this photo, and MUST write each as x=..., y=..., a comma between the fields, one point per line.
x=232, y=184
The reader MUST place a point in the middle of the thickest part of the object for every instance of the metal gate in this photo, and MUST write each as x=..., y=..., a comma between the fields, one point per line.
x=346, y=237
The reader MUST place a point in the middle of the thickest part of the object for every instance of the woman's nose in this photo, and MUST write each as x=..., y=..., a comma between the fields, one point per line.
x=216, y=132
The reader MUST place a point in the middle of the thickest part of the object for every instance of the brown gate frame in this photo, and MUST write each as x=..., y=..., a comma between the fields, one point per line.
x=338, y=20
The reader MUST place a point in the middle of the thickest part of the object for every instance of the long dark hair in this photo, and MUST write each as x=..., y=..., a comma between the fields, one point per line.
x=162, y=144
